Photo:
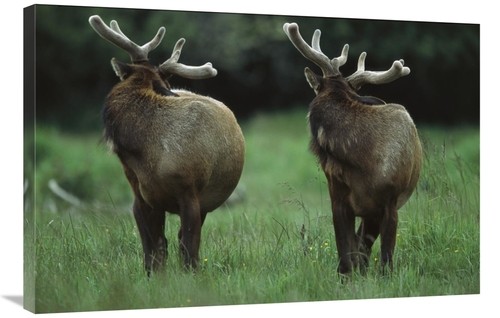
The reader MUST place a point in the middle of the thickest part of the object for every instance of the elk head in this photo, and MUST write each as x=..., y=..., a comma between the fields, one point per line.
x=330, y=68
x=139, y=54
x=369, y=151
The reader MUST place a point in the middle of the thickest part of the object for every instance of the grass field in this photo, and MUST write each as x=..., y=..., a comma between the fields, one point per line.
x=87, y=256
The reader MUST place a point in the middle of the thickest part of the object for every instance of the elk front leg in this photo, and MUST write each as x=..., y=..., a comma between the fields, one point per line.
x=368, y=231
x=151, y=225
x=343, y=223
x=190, y=231
x=388, y=236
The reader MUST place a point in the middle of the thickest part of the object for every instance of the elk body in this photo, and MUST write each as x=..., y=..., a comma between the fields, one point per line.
x=182, y=153
x=369, y=151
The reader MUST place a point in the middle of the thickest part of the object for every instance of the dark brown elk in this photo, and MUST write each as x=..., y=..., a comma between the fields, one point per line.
x=182, y=153
x=369, y=151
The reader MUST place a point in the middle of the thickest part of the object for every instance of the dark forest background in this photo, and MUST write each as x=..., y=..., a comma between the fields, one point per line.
x=258, y=67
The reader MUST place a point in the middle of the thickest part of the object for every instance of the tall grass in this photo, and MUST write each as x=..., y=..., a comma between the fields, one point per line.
x=277, y=245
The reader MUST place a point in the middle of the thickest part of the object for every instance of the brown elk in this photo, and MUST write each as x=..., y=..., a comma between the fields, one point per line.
x=369, y=151
x=182, y=153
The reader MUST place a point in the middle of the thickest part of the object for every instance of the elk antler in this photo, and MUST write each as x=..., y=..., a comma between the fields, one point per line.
x=138, y=54
x=329, y=67
x=171, y=67
x=360, y=77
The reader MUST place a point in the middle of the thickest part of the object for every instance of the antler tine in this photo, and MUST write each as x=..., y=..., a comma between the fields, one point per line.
x=151, y=45
x=337, y=62
x=315, y=40
x=176, y=53
x=361, y=77
x=115, y=27
x=114, y=35
x=313, y=53
x=171, y=67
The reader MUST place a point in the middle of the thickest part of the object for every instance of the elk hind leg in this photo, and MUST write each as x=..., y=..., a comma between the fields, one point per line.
x=388, y=237
x=368, y=231
x=151, y=225
x=190, y=231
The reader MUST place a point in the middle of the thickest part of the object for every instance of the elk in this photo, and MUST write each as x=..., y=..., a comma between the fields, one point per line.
x=181, y=152
x=368, y=150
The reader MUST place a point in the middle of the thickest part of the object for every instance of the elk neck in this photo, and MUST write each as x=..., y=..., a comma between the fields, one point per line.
x=339, y=121
x=337, y=108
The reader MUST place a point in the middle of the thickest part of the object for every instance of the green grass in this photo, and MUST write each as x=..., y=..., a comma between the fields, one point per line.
x=89, y=257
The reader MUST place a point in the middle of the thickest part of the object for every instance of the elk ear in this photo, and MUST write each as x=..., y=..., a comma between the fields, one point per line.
x=313, y=80
x=122, y=70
